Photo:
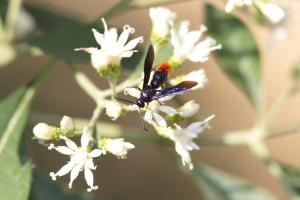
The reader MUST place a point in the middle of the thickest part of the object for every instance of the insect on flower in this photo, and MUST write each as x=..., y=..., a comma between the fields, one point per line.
x=150, y=92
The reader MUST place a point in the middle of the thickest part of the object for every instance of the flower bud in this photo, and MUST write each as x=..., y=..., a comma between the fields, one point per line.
x=43, y=131
x=67, y=124
x=113, y=109
x=189, y=109
x=162, y=19
x=272, y=12
x=117, y=147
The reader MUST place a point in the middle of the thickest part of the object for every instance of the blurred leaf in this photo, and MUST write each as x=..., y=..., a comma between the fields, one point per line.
x=48, y=20
x=239, y=57
x=147, y=3
x=15, y=176
x=217, y=185
x=43, y=189
x=62, y=42
x=291, y=179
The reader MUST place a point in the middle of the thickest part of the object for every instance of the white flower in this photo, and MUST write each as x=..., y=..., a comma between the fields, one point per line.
x=183, y=138
x=67, y=124
x=117, y=147
x=162, y=19
x=113, y=109
x=186, y=44
x=189, y=109
x=231, y=4
x=272, y=12
x=43, y=131
x=81, y=160
x=113, y=48
x=198, y=76
x=153, y=108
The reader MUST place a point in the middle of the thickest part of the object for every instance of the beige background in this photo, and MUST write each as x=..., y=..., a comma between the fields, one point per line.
x=146, y=174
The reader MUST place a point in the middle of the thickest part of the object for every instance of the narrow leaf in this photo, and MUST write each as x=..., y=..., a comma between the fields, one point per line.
x=15, y=176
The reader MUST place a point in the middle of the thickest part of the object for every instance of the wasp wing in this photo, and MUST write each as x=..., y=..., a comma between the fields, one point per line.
x=148, y=65
x=175, y=90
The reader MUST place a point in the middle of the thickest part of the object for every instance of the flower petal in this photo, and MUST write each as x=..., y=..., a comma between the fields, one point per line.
x=85, y=138
x=160, y=120
x=74, y=174
x=64, y=150
x=133, y=43
x=90, y=164
x=63, y=171
x=132, y=92
x=95, y=153
x=98, y=36
x=72, y=145
x=167, y=109
x=148, y=115
x=89, y=178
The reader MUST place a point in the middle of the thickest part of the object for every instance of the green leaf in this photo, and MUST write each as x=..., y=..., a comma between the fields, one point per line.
x=291, y=179
x=15, y=175
x=239, y=57
x=216, y=185
x=43, y=189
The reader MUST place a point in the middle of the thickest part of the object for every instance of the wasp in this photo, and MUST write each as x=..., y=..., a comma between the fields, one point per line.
x=150, y=92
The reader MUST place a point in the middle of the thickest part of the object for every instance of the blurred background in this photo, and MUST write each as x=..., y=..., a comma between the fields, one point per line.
x=146, y=174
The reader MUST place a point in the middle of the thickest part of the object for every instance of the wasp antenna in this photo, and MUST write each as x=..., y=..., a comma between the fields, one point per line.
x=124, y=100
x=142, y=119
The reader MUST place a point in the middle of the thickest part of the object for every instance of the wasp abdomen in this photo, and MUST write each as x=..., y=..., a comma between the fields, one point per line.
x=161, y=74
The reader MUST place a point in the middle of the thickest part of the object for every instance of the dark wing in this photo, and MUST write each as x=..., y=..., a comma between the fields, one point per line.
x=148, y=65
x=175, y=90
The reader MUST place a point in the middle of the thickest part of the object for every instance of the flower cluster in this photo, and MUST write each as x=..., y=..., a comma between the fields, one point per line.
x=165, y=119
x=272, y=12
x=81, y=157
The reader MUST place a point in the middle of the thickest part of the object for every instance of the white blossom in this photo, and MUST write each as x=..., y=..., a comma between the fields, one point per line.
x=67, y=124
x=183, y=138
x=113, y=48
x=81, y=159
x=43, y=131
x=231, y=4
x=189, y=109
x=198, y=76
x=113, y=109
x=153, y=109
x=186, y=44
x=162, y=19
x=272, y=12
x=117, y=147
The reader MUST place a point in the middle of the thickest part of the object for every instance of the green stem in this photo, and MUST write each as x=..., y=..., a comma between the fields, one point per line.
x=11, y=18
x=96, y=114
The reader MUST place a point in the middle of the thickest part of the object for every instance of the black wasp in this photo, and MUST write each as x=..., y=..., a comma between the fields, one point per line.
x=151, y=92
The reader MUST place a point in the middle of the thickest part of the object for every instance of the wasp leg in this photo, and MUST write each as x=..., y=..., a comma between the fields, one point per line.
x=158, y=102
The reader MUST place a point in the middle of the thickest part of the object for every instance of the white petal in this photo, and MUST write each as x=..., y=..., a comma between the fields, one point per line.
x=128, y=54
x=132, y=92
x=148, y=115
x=124, y=35
x=167, y=109
x=85, y=137
x=98, y=36
x=89, y=178
x=64, y=150
x=72, y=145
x=90, y=164
x=89, y=50
x=160, y=120
x=63, y=171
x=67, y=123
x=95, y=153
x=133, y=43
x=74, y=174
